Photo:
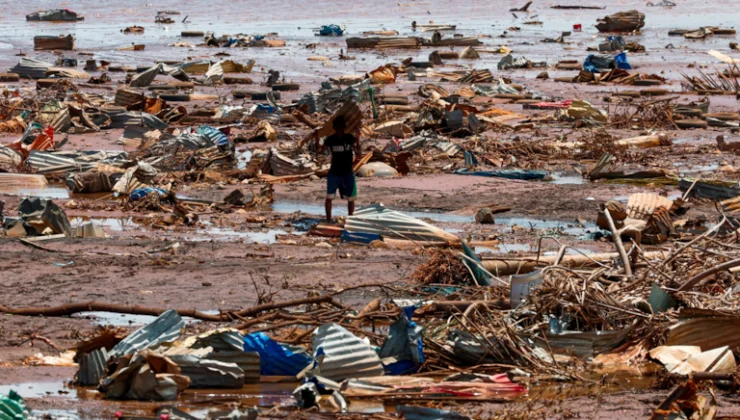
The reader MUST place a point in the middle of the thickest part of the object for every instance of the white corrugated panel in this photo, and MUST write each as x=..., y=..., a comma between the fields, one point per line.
x=344, y=354
x=377, y=219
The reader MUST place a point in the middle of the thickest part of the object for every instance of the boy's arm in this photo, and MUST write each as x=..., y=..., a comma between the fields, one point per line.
x=317, y=141
x=356, y=146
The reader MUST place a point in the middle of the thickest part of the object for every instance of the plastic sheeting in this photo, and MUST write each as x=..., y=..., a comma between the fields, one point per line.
x=404, y=344
x=276, y=359
x=523, y=174
x=331, y=30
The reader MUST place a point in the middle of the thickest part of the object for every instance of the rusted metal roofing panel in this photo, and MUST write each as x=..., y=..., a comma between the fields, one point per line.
x=641, y=205
x=377, y=219
x=128, y=97
x=343, y=355
x=51, y=42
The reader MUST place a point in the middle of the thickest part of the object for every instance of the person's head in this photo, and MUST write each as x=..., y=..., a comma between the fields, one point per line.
x=339, y=124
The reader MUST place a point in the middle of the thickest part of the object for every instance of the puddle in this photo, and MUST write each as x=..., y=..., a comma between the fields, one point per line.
x=262, y=394
x=117, y=224
x=40, y=389
x=504, y=248
x=340, y=209
x=559, y=178
x=127, y=320
x=304, y=224
x=571, y=228
x=47, y=192
x=222, y=234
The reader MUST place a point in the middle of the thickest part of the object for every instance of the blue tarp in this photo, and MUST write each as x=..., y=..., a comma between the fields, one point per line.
x=621, y=60
x=140, y=193
x=276, y=359
x=522, y=174
x=331, y=30
x=404, y=342
x=595, y=63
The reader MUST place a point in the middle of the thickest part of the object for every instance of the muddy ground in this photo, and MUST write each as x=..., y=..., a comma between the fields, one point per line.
x=229, y=260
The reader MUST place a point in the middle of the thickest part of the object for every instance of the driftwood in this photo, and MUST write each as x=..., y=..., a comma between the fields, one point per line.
x=74, y=308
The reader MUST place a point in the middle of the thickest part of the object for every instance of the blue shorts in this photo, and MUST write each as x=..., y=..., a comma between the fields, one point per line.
x=344, y=183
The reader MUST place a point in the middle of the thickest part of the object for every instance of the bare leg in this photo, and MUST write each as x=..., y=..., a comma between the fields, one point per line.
x=351, y=207
x=327, y=206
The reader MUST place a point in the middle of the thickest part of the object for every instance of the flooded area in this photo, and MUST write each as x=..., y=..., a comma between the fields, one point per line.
x=553, y=280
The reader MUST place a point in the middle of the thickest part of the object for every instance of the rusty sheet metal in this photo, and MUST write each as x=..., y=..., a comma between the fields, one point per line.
x=282, y=165
x=342, y=355
x=62, y=121
x=10, y=159
x=379, y=220
x=731, y=206
x=248, y=361
x=641, y=205
x=13, y=180
x=128, y=97
x=50, y=42
x=629, y=21
x=707, y=333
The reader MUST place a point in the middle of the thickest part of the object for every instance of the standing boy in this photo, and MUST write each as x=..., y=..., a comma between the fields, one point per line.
x=343, y=147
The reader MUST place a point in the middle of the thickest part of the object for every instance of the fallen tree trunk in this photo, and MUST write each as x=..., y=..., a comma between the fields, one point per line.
x=75, y=308
x=508, y=267
x=451, y=306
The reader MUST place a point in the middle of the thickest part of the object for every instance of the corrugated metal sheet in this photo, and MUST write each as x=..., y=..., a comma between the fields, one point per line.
x=222, y=339
x=209, y=373
x=128, y=97
x=731, y=206
x=282, y=165
x=164, y=329
x=214, y=135
x=92, y=367
x=215, y=74
x=48, y=162
x=713, y=191
x=377, y=219
x=9, y=158
x=29, y=68
x=248, y=361
x=344, y=355
x=146, y=77
x=10, y=180
x=641, y=205
x=231, y=66
x=195, y=67
x=62, y=121
x=68, y=72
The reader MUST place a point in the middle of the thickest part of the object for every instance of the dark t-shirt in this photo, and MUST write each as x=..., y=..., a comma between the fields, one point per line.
x=342, y=156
